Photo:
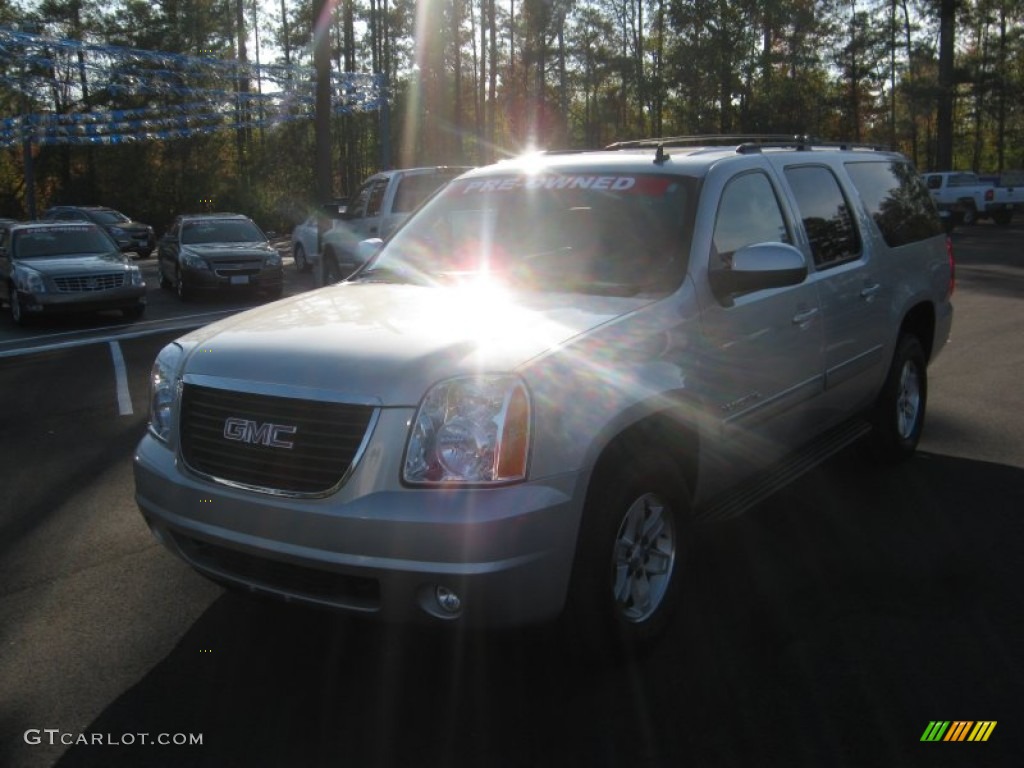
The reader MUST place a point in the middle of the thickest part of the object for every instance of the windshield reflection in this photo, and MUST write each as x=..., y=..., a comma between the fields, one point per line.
x=614, y=235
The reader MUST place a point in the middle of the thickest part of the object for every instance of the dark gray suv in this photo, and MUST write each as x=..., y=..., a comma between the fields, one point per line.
x=129, y=235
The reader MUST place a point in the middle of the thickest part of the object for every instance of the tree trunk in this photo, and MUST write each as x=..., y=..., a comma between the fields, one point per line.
x=944, y=110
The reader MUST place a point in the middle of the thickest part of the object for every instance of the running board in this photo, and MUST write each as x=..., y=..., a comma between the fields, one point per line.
x=735, y=502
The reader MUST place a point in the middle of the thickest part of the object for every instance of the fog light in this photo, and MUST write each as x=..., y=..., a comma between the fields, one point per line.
x=448, y=600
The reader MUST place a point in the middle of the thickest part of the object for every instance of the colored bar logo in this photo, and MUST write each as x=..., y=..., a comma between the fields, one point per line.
x=958, y=730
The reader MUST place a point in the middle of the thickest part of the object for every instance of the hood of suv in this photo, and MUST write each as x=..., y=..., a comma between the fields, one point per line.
x=387, y=344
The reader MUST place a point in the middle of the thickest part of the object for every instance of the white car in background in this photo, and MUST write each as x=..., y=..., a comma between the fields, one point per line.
x=305, y=239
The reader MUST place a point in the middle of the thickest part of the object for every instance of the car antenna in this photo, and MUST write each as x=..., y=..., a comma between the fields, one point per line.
x=659, y=156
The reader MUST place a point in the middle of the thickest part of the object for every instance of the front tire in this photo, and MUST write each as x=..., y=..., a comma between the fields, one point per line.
x=134, y=313
x=332, y=271
x=898, y=417
x=17, y=313
x=184, y=292
x=301, y=262
x=631, y=555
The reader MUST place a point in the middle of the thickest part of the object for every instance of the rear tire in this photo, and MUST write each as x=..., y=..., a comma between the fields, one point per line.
x=898, y=417
x=630, y=557
x=970, y=216
x=1002, y=218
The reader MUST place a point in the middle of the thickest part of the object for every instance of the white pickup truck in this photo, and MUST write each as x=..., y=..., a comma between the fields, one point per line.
x=967, y=198
x=383, y=202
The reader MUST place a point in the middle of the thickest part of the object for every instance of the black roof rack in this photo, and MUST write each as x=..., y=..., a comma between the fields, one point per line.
x=745, y=143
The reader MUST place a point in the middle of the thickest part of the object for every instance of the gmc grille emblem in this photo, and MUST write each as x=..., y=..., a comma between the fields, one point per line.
x=253, y=433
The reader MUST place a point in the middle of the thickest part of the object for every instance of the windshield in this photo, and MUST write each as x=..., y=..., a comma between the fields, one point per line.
x=610, y=235
x=110, y=216
x=220, y=231
x=60, y=241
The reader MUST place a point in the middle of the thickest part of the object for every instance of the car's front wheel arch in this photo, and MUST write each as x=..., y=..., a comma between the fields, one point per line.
x=633, y=546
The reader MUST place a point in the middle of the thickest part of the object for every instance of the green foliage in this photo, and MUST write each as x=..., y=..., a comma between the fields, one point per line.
x=558, y=73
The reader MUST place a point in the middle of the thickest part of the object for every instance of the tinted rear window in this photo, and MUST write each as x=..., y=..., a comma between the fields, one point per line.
x=413, y=190
x=897, y=200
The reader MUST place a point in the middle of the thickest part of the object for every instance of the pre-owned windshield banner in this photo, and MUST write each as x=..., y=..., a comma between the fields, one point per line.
x=631, y=184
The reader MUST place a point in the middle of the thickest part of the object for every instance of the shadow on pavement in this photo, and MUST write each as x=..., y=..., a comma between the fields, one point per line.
x=828, y=627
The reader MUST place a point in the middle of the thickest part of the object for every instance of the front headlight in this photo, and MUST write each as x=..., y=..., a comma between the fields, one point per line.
x=273, y=258
x=28, y=280
x=135, y=277
x=193, y=261
x=473, y=430
x=163, y=385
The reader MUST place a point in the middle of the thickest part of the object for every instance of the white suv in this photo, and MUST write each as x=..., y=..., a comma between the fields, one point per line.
x=518, y=407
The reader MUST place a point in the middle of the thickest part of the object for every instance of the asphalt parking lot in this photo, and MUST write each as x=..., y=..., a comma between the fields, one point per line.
x=829, y=626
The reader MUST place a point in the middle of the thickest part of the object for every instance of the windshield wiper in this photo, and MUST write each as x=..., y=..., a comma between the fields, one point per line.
x=381, y=275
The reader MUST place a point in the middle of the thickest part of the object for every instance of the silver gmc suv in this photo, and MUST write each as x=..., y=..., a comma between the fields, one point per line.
x=516, y=409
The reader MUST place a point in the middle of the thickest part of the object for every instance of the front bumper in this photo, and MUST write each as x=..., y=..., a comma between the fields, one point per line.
x=266, y=280
x=91, y=301
x=374, y=547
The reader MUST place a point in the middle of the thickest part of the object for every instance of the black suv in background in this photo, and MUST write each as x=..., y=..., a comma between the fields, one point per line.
x=128, y=234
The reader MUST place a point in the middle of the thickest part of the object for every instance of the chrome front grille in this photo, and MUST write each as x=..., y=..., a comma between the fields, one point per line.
x=88, y=283
x=273, y=444
x=250, y=267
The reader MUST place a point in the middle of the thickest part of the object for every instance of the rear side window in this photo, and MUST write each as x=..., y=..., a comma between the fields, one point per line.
x=376, y=199
x=825, y=213
x=358, y=208
x=897, y=200
x=414, y=189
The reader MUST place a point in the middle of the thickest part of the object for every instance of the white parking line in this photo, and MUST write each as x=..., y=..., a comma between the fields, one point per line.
x=124, y=397
x=44, y=343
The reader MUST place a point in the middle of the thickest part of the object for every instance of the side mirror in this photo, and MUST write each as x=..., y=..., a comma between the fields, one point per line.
x=758, y=267
x=367, y=249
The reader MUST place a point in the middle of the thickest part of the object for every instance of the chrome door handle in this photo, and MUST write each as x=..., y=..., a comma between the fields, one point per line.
x=804, y=315
x=869, y=292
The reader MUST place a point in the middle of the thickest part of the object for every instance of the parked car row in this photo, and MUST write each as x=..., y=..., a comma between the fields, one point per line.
x=76, y=259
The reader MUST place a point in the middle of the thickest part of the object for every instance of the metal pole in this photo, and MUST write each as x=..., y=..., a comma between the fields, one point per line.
x=29, y=165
